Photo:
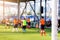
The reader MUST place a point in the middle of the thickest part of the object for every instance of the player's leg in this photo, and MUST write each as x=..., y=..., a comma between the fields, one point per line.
x=29, y=24
x=24, y=28
x=14, y=28
x=41, y=32
x=8, y=26
x=44, y=31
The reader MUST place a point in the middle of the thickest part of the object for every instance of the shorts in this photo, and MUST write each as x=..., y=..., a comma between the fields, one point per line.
x=42, y=27
x=28, y=23
x=19, y=24
x=24, y=27
x=16, y=26
x=7, y=24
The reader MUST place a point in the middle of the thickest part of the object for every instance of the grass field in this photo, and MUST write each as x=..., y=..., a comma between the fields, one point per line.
x=31, y=34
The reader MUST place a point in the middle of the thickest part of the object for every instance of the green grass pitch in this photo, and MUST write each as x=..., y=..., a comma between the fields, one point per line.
x=30, y=34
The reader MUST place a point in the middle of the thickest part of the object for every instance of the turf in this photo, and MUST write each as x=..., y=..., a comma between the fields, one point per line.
x=23, y=36
x=30, y=34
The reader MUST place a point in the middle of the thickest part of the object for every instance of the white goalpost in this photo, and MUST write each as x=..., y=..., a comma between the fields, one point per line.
x=54, y=20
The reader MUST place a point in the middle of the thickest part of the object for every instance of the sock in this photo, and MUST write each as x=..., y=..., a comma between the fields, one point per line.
x=44, y=33
x=16, y=29
x=41, y=33
x=24, y=30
